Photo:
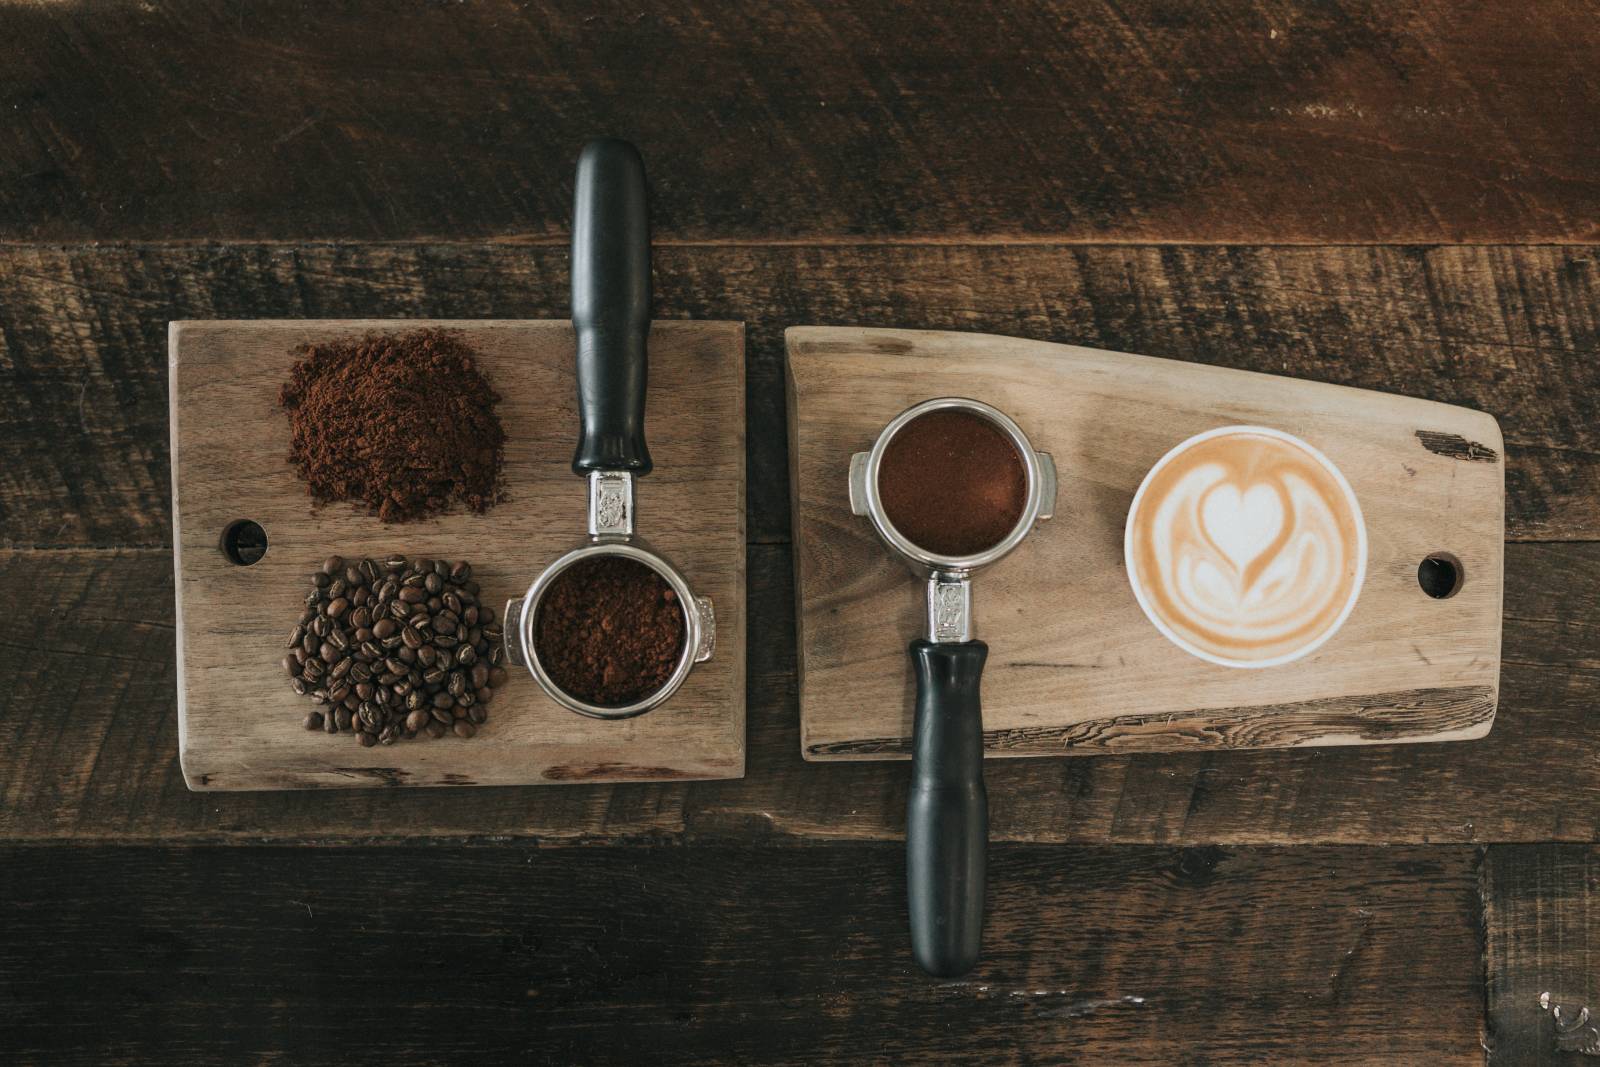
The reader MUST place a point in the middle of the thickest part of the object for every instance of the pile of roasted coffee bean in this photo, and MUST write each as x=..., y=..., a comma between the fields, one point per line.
x=396, y=648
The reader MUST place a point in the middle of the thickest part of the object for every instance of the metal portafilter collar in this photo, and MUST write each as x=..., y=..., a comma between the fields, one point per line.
x=947, y=813
x=611, y=316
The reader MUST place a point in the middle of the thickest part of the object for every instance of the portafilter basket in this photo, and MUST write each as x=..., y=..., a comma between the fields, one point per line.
x=611, y=314
x=947, y=814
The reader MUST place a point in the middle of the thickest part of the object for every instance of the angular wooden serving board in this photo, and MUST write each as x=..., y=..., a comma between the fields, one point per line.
x=1074, y=666
x=238, y=722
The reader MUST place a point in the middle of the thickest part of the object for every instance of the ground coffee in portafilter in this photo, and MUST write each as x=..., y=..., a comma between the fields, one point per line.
x=610, y=630
x=395, y=648
x=952, y=483
x=403, y=424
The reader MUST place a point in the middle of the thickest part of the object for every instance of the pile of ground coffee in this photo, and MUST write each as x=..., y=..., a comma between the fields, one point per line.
x=404, y=424
x=609, y=631
x=952, y=483
x=395, y=648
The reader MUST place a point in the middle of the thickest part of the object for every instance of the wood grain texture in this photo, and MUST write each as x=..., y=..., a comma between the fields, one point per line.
x=238, y=722
x=1543, y=938
x=88, y=726
x=723, y=956
x=1074, y=665
x=83, y=438
x=1233, y=120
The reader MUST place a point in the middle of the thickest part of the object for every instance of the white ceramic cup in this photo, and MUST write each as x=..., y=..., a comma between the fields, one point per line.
x=1246, y=547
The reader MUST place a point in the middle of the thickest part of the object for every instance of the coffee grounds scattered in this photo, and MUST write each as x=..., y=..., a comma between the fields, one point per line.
x=403, y=424
x=609, y=630
x=952, y=483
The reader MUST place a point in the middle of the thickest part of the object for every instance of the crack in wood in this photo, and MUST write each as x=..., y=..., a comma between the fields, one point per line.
x=1454, y=446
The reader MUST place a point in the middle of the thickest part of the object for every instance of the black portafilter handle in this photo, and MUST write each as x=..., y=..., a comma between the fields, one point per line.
x=947, y=815
x=611, y=307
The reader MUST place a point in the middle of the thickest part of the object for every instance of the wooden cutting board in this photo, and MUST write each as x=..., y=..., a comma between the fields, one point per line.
x=239, y=725
x=1074, y=666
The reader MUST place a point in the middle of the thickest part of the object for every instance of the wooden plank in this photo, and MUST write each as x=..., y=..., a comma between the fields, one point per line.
x=239, y=723
x=83, y=438
x=1287, y=121
x=733, y=955
x=88, y=747
x=1543, y=948
x=1074, y=664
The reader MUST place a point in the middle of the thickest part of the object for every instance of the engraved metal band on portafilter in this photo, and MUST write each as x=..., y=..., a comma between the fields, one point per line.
x=947, y=814
x=611, y=316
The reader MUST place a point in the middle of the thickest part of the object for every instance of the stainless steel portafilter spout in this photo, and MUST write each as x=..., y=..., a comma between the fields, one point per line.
x=947, y=815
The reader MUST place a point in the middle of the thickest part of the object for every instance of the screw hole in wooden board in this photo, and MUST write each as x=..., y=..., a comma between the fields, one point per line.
x=244, y=542
x=1440, y=575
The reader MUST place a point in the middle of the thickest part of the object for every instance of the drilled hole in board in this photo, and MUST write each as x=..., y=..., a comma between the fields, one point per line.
x=1440, y=575
x=244, y=542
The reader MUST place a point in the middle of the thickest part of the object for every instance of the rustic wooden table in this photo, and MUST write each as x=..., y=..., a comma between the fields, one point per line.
x=1395, y=196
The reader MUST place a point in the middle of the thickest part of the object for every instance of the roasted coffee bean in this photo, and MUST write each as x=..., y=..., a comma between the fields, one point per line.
x=330, y=724
x=291, y=666
x=364, y=690
x=434, y=584
x=465, y=699
x=445, y=660
x=497, y=654
x=470, y=615
x=338, y=607
x=307, y=615
x=443, y=700
x=344, y=717
x=427, y=655
x=387, y=589
x=371, y=715
x=466, y=656
x=297, y=635
x=413, y=595
x=366, y=739
x=320, y=696
x=484, y=693
x=341, y=668
x=390, y=644
x=497, y=677
x=394, y=666
x=415, y=699
x=333, y=565
x=433, y=675
x=352, y=702
x=299, y=686
x=461, y=572
x=360, y=618
x=387, y=679
x=395, y=563
x=456, y=684
x=486, y=615
x=360, y=672
x=444, y=623
x=422, y=566
x=338, y=639
x=477, y=714
x=314, y=598
x=412, y=637
x=360, y=597
x=413, y=581
x=370, y=651
x=320, y=580
x=389, y=735
x=385, y=628
x=452, y=602
x=479, y=675
x=369, y=570
x=491, y=633
x=434, y=604
x=423, y=624
x=446, y=640
x=337, y=589
x=441, y=716
x=463, y=728
x=299, y=655
x=338, y=693
x=313, y=720
x=399, y=609
x=362, y=636
x=312, y=668
x=319, y=626
x=328, y=652
x=354, y=575
x=437, y=730
x=417, y=720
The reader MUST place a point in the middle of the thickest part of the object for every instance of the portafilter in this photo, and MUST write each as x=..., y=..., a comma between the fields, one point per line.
x=611, y=315
x=947, y=814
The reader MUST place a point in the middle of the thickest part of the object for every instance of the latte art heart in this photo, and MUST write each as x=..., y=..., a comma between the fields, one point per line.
x=1246, y=547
